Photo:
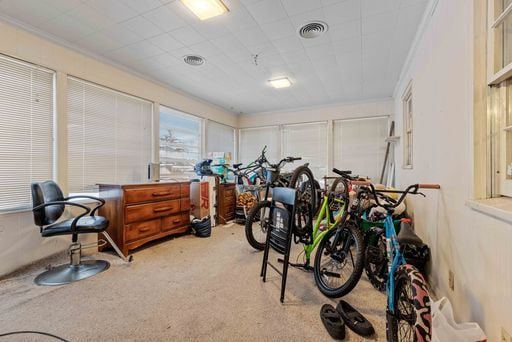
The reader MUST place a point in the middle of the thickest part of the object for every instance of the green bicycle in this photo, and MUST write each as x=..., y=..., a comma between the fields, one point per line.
x=339, y=259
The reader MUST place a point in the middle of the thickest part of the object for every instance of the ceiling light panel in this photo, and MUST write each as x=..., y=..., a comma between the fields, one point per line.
x=279, y=83
x=206, y=9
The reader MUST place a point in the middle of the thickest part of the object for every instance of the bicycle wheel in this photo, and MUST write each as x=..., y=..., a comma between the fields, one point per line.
x=411, y=319
x=256, y=224
x=376, y=262
x=338, y=187
x=339, y=268
x=304, y=182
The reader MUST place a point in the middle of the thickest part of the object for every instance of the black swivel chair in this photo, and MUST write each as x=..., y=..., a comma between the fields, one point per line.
x=48, y=206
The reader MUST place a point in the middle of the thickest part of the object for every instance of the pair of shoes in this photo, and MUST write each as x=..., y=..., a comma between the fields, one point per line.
x=354, y=319
x=334, y=320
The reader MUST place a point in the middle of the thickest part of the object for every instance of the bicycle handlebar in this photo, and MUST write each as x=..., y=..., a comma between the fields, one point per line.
x=411, y=189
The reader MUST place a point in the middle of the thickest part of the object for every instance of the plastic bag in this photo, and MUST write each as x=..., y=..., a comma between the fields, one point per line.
x=444, y=327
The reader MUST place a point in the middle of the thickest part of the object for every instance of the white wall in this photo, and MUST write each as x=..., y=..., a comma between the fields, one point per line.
x=476, y=247
x=20, y=241
x=381, y=107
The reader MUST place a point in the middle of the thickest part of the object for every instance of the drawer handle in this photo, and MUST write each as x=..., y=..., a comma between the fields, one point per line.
x=176, y=221
x=158, y=210
x=144, y=230
x=161, y=193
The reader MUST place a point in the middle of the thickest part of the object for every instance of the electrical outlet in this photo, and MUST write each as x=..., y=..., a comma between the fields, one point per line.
x=505, y=336
x=451, y=280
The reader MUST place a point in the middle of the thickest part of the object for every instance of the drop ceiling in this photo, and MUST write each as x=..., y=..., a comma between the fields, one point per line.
x=359, y=58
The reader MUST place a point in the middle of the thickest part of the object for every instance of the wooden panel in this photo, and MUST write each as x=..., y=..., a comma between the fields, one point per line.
x=175, y=221
x=185, y=190
x=148, y=211
x=154, y=193
x=140, y=230
x=185, y=204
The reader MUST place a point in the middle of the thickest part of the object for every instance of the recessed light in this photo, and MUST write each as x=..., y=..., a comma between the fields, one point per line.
x=278, y=83
x=194, y=60
x=206, y=9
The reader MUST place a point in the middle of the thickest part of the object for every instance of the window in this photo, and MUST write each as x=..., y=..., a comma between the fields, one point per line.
x=408, y=128
x=308, y=141
x=500, y=95
x=180, y=144
x=360, y=146
x=26, y=130
x=220, y=138
x=253, y=140
x=109, y=136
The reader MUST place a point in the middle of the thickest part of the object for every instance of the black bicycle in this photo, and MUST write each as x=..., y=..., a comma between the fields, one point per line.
x=302, y=180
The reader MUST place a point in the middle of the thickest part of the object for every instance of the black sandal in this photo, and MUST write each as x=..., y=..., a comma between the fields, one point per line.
x=332, y=322
x=354, y=320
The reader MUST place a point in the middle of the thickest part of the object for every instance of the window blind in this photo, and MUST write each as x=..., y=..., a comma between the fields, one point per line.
x=360, y=146
x=252, y=141
x=220, y=138
x=308, y=141
x=26, y=130
x=109, y=136
x=180, y=143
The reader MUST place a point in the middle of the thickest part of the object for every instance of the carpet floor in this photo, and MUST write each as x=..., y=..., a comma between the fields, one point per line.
x=182, y=289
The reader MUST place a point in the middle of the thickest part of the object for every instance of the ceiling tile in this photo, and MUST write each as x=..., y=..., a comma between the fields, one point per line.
x=372, y=7
x=294, y=7
x=187, y=35
x=279, y=29
x=205, y=49
x=288, y=44
x=143, y=27
x=384, y=21
x=267, y=11
x=99, y=42
x=340, y=32
x=238, y=20
x=165, y=42
x=120, y=34
x=300, y=19
x=67, y=28
x=114, y=9
x=142, y=6
x=164, y=18
x=89, y=17
x=342, y=12
x=251, y=37
x=32, y=13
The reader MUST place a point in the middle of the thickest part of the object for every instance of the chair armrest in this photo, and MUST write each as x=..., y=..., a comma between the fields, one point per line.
x=75, y=221
x=101, y=200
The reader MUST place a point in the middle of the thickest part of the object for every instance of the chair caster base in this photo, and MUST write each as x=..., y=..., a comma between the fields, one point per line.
x=66, y=274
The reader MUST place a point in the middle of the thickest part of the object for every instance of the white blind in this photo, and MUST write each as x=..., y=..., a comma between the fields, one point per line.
x=109, y=136
x=308, y=141
x=359, y=146
x=180, y=143
x=26, y=130
x=252, y=141
x=220, y=138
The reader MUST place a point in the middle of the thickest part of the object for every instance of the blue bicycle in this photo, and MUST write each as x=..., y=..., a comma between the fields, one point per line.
x=408, y=315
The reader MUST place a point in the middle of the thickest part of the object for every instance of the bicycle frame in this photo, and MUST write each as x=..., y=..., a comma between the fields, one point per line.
x=395, y=258
x=318, y=234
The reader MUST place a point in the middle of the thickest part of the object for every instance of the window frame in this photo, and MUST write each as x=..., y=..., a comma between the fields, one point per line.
x=408, y=128
x=499, y=79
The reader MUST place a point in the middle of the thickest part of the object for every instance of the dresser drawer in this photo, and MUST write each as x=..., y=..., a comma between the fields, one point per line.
x=185, y=190
x=175, y=221
x=185, y=204
x=156, y=193
x=143, y=212
x=141, y=230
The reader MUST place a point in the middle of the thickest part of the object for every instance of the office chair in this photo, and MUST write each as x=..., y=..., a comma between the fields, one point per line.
x=48, y=206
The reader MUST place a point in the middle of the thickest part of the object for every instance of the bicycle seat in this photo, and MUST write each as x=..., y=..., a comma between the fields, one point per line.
x=408, y=236
x=236, y=166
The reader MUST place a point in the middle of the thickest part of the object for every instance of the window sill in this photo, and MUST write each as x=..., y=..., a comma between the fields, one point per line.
x=500, y=208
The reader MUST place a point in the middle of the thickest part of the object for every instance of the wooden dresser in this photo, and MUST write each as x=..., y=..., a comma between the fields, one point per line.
x=226, y=202
x=140, y=213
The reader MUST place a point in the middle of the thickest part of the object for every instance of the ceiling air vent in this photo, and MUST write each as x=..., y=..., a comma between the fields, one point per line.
x=313, y=29
x=194, y=60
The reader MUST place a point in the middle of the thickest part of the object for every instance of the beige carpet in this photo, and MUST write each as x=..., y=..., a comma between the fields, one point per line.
x=181, y=289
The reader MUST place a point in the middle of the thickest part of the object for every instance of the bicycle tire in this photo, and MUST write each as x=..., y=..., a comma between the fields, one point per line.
x=325, y=250
x=334, y=186
x=305, y=205
x=376, y=263
x=417, y=301
x=253, y=217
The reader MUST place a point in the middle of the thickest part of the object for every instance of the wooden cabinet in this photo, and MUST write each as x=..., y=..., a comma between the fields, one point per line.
x=140, y=213
x=226, y=202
